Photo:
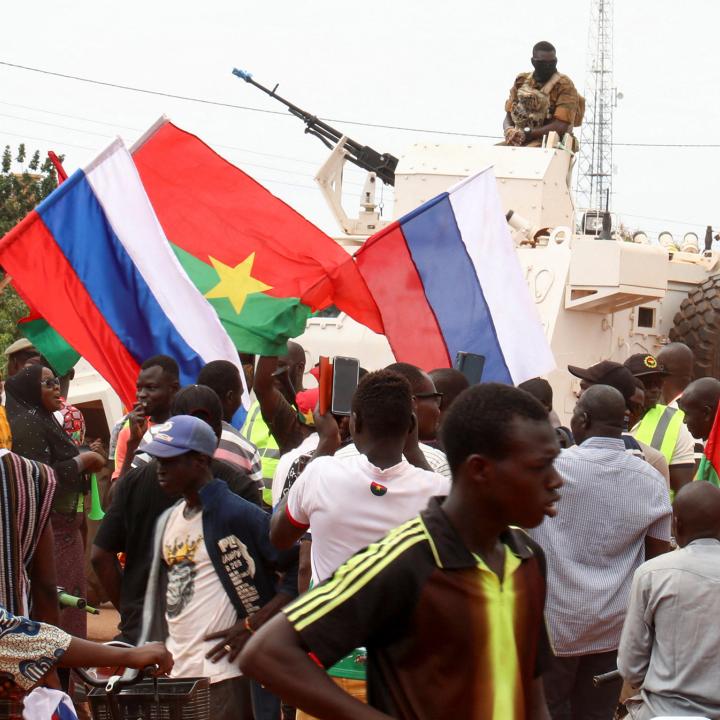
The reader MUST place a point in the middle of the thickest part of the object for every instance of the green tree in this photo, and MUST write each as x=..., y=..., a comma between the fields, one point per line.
x=20, y=192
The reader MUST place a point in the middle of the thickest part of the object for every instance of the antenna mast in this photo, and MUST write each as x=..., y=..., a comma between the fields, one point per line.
x=594, y=178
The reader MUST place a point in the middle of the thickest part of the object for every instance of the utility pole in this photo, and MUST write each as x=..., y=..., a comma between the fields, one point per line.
x=594, y=178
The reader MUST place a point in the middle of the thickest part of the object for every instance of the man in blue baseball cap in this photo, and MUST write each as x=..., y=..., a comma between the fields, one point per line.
x=213, y=555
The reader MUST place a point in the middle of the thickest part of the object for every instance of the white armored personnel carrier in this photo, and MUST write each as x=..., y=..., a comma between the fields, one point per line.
x=597, y=298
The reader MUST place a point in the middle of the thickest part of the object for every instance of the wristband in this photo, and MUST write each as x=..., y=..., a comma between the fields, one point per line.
x=247, y=626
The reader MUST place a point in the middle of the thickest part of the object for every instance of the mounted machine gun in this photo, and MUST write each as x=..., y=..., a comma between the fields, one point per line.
x=329, y=177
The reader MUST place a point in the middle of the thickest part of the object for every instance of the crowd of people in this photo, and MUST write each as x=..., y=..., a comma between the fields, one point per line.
x=444, y=551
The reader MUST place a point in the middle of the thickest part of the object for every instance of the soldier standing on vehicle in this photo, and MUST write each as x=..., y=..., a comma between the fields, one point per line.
x=541, y=101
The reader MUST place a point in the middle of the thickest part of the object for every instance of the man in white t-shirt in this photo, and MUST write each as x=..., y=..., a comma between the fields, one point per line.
x=350, y=502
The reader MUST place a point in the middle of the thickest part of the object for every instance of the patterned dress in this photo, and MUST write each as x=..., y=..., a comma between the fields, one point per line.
x=28, y=649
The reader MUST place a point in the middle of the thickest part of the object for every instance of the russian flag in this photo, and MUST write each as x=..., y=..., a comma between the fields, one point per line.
x=47, y=704
x=446, y=279
x=93, y=260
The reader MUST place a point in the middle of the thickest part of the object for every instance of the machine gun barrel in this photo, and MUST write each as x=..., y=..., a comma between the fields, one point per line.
x=367, y=158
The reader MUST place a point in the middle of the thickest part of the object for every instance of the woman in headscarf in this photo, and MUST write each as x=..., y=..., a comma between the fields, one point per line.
x=32, y=398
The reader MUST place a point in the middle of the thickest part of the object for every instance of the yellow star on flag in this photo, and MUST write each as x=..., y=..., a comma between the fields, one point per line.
x=236, y=283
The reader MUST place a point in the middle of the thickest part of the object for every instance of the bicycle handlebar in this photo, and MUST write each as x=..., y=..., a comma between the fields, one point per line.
x=607, y=677
x=66, y=600
x=115, y=683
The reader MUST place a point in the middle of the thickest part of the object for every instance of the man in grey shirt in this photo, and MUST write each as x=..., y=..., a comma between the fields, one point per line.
x=615, y=513
x=669, y=644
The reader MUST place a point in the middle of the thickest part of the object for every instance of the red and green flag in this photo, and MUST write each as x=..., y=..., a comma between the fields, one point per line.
x=48, y=342
x=263, y=266
x=709, y=468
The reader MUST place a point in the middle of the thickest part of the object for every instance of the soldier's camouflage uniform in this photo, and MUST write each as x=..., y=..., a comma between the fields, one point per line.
x=528, y=106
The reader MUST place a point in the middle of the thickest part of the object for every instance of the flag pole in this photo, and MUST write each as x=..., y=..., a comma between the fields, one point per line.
x=59, y=169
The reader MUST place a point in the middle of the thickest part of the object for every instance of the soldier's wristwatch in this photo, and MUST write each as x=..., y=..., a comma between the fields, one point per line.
x=526, y=130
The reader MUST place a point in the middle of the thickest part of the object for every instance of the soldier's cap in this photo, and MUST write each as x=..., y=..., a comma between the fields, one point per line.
x=641, y=364
x=607, y=372
x=179, y=435
x=17, y=346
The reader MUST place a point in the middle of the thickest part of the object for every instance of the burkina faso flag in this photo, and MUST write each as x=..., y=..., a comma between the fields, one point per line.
x=262, y=266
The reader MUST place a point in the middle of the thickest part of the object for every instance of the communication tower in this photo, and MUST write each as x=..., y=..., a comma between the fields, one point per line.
x=594, y=178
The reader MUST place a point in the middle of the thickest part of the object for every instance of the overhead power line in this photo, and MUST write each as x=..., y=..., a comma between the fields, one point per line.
x=118, y=126
x=45, y=140
x=108, y=136
x=56, y=125
x=667, y=221
x=71, y=117
x=359, y=123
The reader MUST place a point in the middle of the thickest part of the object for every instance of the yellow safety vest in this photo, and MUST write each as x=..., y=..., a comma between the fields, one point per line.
x=257, y=432
x=660, y=428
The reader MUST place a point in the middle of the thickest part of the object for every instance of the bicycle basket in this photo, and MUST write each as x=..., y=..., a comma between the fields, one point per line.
x=176, y=699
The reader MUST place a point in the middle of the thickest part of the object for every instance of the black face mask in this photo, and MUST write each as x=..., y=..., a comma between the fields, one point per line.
x=544, y=69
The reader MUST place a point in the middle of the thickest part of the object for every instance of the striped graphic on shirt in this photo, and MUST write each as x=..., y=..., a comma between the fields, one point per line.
x=357, y=572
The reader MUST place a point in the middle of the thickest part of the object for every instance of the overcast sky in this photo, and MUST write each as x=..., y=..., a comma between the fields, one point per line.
x=410, y=63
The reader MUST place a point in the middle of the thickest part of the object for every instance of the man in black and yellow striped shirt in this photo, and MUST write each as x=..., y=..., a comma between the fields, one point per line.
x=450, y=604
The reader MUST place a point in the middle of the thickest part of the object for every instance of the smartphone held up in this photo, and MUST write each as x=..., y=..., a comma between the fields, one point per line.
x=337, y=384
x=471, y=366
